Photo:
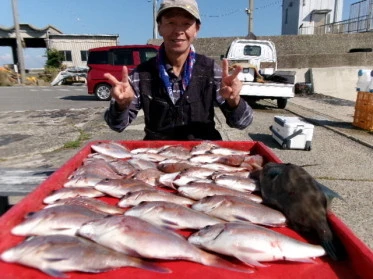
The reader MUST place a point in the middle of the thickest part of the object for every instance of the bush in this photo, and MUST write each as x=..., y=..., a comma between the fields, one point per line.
x=54, y=58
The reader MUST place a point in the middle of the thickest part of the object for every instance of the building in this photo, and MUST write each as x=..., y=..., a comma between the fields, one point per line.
x=305, y=16
x=75, y=47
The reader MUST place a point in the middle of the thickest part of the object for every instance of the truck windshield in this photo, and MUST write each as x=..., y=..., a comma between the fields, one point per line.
x=252, y=50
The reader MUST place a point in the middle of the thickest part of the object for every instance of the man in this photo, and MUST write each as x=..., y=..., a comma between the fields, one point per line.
x=177, y=89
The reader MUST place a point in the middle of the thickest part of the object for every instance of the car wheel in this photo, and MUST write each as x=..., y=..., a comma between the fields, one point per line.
x=281, y=103
x=102, y=92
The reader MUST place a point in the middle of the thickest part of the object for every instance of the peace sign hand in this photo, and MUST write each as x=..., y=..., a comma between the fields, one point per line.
x=230, y=85
x=122, y=90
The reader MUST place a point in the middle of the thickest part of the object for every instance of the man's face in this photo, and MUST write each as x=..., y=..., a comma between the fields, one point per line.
x=178, y=29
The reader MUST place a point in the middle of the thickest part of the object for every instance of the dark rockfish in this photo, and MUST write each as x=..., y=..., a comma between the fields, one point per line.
x=55, y=254
x=293, y=191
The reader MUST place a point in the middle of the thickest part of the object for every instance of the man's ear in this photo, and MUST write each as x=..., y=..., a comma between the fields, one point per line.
x=159, y=31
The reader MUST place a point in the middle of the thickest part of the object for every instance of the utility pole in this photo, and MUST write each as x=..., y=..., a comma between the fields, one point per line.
x=250, y=12
x=21, y=64
x=155, y=31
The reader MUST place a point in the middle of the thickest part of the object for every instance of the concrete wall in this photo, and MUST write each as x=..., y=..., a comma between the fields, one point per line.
x=323, y=60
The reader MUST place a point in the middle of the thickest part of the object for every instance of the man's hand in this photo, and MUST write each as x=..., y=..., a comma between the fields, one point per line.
x=122, y=90
x=230, y=85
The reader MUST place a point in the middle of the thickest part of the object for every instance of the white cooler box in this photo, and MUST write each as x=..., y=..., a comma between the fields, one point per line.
x=292, y=132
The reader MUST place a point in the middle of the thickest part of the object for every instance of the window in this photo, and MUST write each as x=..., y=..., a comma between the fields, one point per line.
x=147, y=53
x=252, y=50
x=122, y=57
x=98, y=57
x=83, y=55
x=66, y=55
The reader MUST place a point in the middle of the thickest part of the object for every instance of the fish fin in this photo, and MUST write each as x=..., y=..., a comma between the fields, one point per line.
x=169, y=223
x=54, y=259
x=240, y=218
x=215, y=261
x=152, y=267
x=301, y=260
x=54, y=273
x=249, y=261
x=329, y=193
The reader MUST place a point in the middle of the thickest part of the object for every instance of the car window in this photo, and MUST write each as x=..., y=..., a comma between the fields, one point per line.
x=98, y=57
x=122, y=57
x=147, y=53
x=252, y=50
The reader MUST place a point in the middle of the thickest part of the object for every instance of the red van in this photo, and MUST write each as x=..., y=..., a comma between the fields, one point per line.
x=111, y=60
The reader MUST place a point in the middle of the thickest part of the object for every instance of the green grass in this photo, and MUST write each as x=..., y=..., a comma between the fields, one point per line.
x=77, y=143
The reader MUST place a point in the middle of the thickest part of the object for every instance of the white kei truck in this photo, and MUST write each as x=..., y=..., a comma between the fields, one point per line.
x=259, y=76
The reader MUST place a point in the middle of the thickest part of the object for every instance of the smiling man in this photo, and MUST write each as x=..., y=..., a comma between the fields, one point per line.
x=179, y=88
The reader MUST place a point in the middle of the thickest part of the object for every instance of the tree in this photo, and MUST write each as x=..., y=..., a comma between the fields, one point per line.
x=54, y=58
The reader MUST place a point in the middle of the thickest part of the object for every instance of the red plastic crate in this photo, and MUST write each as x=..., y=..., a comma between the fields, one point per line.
x=359, y=263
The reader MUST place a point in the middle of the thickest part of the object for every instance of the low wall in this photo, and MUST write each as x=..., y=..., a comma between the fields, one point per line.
x=323, y=60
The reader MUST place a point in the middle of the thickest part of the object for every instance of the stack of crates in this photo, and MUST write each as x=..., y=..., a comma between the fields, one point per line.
x=363, y=117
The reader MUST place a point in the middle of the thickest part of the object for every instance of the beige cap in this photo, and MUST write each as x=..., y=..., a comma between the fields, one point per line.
x=190, y=6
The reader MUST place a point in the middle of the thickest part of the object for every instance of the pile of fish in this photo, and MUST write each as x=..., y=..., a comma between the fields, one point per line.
x=160, y=193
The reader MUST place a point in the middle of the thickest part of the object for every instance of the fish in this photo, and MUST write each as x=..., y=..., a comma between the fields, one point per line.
x=139, y=238
x=253, y=244
x=174, y=166
x=203, y=148
x=62, y=219
x=176, y=151
x=238, y=183
x=199, y=190
x=123, y=168
x=233, y=208
x=148, y=149
x=134, y=198
x=152, y=157
x=112, y=149
x=71, y=192
x=141, y=164
x=253, y=162
x=149, y=176
x=200, y=172
x=90, y=203
x=228, y=151
x=119, y=187
x=98, y=168
x=292, y=190
x=184, y=180
x=171, y=215
x=82, y=181
x=205, y=158
x=56, y=254
x=224, y=167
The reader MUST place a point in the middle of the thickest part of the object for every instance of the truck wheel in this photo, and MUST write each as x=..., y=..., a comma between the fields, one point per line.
x=281, y=103
x=102, y=92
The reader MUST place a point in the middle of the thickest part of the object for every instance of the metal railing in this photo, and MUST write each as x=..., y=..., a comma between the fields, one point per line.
x=353, y=25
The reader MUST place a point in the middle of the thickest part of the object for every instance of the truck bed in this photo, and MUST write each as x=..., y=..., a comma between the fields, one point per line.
x=267, y=89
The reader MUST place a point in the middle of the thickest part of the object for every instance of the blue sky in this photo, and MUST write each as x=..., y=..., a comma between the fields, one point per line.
x=132, y=20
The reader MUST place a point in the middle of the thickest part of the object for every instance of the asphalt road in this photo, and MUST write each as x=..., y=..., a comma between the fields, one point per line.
x=35, y=123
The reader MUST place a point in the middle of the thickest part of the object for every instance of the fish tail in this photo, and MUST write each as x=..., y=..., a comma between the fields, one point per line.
x=334, y=248
x=330, y=249
x=215, y=261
